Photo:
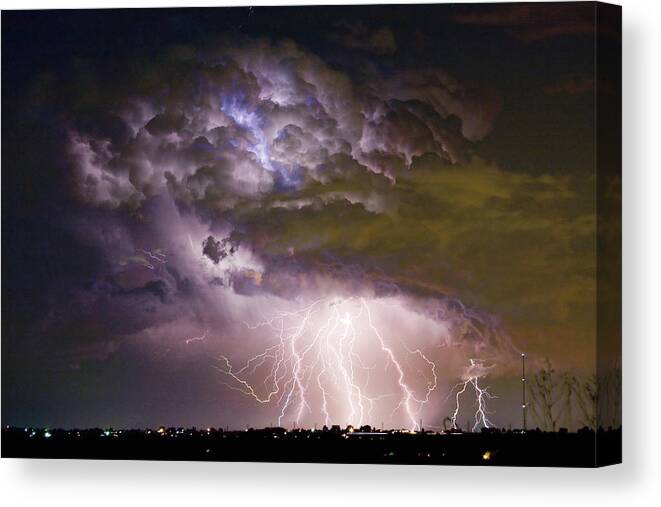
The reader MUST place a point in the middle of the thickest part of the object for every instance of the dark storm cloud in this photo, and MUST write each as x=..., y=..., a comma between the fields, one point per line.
x=574, y=85
x=475, y=106
x=217, y=250
x=533, y=22
x=268, y=145
x=251, y=121
x=445, y=217
x=271, y=146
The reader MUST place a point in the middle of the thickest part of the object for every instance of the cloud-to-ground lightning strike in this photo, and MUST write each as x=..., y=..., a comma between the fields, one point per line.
x=321, y=349
x=474, y=372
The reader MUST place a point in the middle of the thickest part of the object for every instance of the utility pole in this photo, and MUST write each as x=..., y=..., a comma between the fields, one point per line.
x=523, y=389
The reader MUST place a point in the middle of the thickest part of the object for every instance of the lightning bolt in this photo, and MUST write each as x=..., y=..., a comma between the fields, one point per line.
x=475, y=371
x=319, y=354
x=200, y=338
x=156, y=257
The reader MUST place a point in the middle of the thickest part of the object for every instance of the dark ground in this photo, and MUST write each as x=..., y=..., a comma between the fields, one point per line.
x=505, y=448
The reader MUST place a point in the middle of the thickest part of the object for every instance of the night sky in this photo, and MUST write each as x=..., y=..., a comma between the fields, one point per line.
x=174, y=178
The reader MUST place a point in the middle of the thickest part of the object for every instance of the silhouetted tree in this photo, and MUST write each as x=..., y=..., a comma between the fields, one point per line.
x=609, y=398
x=585, y=393
x=574, y=400
x=545, y=392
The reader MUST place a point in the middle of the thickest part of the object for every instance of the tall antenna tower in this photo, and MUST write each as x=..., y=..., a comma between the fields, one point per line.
x=523, y=389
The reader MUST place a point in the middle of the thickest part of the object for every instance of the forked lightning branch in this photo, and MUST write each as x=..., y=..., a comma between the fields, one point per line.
x=331, y=362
